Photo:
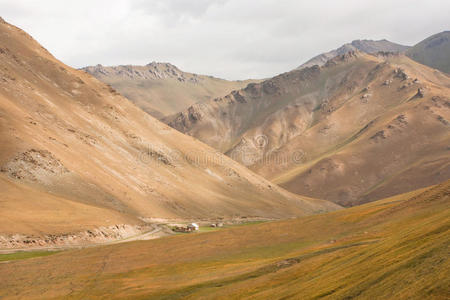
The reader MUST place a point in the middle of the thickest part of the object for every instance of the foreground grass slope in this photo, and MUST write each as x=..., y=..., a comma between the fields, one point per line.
x=395, y=248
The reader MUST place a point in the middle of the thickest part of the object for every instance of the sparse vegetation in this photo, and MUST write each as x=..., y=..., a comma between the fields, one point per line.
x=395, y=248
x=25, y=255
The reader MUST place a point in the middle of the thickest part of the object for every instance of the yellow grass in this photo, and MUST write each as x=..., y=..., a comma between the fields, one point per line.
x=395, y=248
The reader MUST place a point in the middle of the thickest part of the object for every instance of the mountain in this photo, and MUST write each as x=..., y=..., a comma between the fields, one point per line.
x=359, y=128
x=162, y=89
x=433, y=51
x=396, y=248
x=367, y=46
x=76, y=155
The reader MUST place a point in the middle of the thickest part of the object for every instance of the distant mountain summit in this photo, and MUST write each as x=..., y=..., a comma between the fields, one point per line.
x=367, y=46
x=162, y=89
x=433, y=51
x=153, y=70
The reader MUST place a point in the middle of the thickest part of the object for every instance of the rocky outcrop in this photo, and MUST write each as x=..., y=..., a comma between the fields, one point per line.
x=400, y=73
x=34, y=165
x=341, y=58
x=420, y=92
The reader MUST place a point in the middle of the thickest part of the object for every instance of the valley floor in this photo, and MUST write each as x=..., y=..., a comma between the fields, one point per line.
x=396, y=248
x=152, y=228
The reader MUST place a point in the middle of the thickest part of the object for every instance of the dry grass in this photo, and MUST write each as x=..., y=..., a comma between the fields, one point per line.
x=24, y=255
x=394, y=248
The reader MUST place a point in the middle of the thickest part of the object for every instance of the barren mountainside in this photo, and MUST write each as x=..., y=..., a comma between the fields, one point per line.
x=433, y=51
x=359, y=128
x=76, y=155
x=367, y=46
x=161, y=89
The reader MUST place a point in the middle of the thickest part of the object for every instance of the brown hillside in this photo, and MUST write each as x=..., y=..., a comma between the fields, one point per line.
x=161, y=89
x=75, y=154
x=361, y=127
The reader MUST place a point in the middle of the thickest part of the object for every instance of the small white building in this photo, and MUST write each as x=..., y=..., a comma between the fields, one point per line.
x=193, y=226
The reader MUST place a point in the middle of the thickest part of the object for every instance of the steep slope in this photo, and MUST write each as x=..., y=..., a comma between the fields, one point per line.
x=367, y=46
x=433, y=51
x=161, y=89
x=75, y=154
x=395, y=248
x=361, y=127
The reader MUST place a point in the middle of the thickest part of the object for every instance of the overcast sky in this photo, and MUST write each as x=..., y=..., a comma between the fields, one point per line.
x=233, y=39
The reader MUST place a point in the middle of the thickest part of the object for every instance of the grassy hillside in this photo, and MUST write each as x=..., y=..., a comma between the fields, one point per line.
x=396, y=248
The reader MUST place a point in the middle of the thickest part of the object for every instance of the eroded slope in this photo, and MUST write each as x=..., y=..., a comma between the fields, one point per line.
x=361, y=127
x=72, y=146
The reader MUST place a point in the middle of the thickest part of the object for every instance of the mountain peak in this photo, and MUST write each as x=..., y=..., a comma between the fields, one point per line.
x=153, y=70
x=161, y=64
x=367, y=46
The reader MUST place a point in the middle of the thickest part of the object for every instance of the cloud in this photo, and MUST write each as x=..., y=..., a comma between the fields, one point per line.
x=176, y=10
x=234, y=39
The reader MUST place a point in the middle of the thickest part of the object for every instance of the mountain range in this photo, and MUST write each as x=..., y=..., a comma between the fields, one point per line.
x=161, y=89
x=328, y=181
x=77, y=155
x=359, y=128
x=301, y=115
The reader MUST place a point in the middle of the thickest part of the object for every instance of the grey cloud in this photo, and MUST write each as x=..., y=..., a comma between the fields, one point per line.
x=174, y=11
x=233, y=39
